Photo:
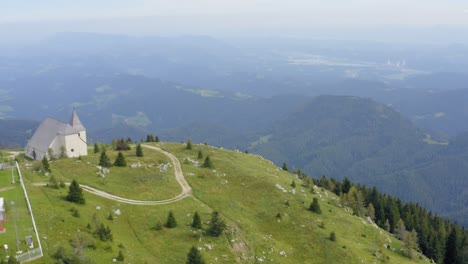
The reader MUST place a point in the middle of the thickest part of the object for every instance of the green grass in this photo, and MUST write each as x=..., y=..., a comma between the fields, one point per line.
x=144, y=183
x=18, y=218
x=242, y=187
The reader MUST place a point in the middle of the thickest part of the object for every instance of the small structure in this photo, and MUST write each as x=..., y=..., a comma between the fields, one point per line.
x=29, y=242
x=2, y=209
x=2, y=214
x=56, y=138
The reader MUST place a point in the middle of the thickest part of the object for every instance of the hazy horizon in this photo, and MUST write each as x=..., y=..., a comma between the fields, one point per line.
x=385, y=20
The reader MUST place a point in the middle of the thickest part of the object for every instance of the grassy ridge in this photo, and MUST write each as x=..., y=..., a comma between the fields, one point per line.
x=242, y=187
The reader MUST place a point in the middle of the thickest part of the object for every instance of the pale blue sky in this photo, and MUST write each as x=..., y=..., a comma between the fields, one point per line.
x=27, y=18
x=339, y=12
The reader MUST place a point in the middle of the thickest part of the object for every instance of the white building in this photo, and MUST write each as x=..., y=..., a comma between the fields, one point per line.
x=57, y=138
x=2, y=209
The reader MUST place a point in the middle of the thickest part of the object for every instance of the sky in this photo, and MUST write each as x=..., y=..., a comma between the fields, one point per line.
x=26, y=17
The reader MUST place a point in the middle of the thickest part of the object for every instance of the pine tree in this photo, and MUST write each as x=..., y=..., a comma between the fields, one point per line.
x=196, y=222
x=200, y=155
x=96, y=148
x=45, y=164
x=171, y=221
x=156, y=139
x=346, y=185
x=293, y=184
x=208, y=163
x=410, y=240
x=333, y=236
x=371, y=211
x=285, y=166
x=217, y=225
x=104, y=160
x=149, y=138
x=120, y=257
x=189, y=144
x=387, y=225
x=452, y=254
x=139, y=151
x=194, y=256
x=120, y=160
x=75, y=193
x=400, y=230
x=315, y=206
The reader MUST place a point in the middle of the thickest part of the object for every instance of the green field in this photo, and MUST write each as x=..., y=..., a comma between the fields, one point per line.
x=244, y=188
x=146, y=182
x=19, y=223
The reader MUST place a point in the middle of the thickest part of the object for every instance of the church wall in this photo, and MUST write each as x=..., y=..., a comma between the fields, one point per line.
x=57, y=144
x=75, y=145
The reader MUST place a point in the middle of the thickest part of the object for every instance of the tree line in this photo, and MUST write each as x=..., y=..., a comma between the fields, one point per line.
x=437, y=238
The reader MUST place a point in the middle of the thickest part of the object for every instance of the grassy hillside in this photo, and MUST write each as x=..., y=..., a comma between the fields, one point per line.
x=267, y=221
x=372, y=144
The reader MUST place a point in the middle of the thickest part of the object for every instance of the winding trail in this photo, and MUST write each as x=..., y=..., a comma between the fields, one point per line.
x=186, y=189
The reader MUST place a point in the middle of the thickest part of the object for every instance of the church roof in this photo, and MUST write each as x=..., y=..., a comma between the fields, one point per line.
x=50, y=128
x=75, y=122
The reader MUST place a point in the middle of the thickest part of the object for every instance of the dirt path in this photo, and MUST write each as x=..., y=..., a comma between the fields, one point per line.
x=13, y=154
x=186, y=189
x=7, y=188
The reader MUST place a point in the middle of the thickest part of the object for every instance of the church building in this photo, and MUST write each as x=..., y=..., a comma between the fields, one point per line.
x=57, y=138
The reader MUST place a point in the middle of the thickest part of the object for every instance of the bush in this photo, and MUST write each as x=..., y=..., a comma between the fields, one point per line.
x=332, y=236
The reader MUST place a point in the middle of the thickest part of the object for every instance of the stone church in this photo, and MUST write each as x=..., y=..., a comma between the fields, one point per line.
x=57, y=138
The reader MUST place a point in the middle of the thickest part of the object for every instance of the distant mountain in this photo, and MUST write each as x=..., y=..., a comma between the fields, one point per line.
x=374, y=145
x=16, y=133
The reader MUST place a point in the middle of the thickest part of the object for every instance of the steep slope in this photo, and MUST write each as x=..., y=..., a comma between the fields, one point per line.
x=331, y=134
x=373, y=145
x=267, y=220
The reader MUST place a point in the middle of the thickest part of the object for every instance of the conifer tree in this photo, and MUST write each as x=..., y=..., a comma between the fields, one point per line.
x=120, y=257
x=120, y=160
x=139, y=151
x=189, y=144
x=371, y=211
x=315, y=206
x=156, y=139
x=96, y=148
x=217, y=225
x=171, y=221
x=208, y=163
x=104, y=160
x=452, y=254
x=194, y=257
x=293, y=184
x=285, y=166
x=333, y=236
x=45, y=164
x=196, y=222
x=200, y=154
x=149, y=138
x=75, y=193
x=410, y=240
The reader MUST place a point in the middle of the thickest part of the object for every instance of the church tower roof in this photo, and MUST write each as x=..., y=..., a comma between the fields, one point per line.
x=75, y=122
